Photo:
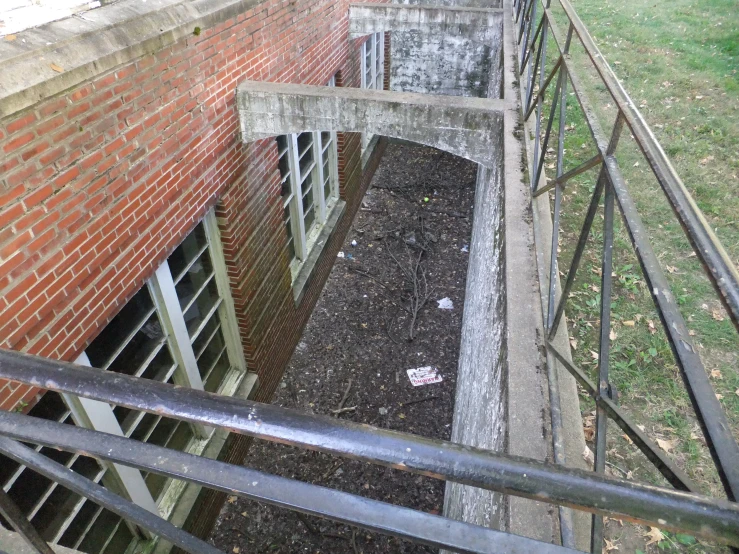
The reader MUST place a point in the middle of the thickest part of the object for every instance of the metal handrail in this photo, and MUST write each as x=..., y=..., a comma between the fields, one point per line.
x=691, y=513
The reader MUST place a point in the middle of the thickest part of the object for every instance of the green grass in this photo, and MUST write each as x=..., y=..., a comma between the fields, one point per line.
x=678, y=60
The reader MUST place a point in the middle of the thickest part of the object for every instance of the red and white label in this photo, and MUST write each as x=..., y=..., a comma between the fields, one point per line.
x=424, y=376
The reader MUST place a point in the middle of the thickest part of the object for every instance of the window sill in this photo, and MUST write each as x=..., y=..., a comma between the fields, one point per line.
x=304, y=272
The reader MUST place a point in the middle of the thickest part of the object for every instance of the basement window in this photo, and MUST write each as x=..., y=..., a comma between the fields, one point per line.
x=180, y=328
x=308, y=164
x=373, y=70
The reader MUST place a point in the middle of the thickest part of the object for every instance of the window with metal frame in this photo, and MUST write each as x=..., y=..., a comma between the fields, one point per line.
x=373, y=70
x=179, y=328
x=308, y=164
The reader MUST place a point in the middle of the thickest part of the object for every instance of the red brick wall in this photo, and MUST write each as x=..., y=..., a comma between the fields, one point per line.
x=99, y=184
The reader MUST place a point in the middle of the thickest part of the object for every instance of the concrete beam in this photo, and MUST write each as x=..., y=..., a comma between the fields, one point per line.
x=467, y=127
x=480, y=25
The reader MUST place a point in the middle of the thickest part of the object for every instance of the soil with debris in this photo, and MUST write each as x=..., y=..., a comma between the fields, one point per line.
x=378, y=316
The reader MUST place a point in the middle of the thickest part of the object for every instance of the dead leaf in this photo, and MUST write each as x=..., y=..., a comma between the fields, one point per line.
x=610, y=545
x=56, y=68
x=613, y=335
x=717, y=315
x=573, y=343
x=665, y=445
x=692, y=333
x=671, y=268
x=629, y=323
x=641, y=428
x=627, y=438
x=594, y=354
x=588, y=456
x=719, y=396
x=655, y=536
x=10, y=37
x=705, y=160
x=652, y=328
x=629, y=474
x=736, y=392
x=236, y=550
x=232, y=499
x=401, y=416
x=716, y=374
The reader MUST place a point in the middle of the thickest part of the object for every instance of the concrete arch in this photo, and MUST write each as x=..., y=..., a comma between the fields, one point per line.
x=468, y=127
x=482, y=25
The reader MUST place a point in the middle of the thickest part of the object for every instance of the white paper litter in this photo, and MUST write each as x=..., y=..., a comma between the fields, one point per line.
x=446, y=304
x=424, y=376
x=340, y=255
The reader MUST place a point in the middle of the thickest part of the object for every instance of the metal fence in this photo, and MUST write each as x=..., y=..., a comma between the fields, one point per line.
x=681, y=509
x=545, y=82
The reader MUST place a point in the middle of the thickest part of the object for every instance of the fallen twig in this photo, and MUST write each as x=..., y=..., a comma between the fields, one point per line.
x=346, y=394
x=308, y=525
x=354, y=541
x=331, y=471
x=418, y=400
x=343, y=410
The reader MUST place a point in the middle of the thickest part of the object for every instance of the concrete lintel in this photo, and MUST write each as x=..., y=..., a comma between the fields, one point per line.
x=467, y=127
x=478, y=24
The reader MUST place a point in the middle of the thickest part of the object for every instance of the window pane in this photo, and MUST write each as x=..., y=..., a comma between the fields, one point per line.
x=128, y=321
x=305, y=141
x=202, y=308
x=186, y=252
x=309, y=218
x=140, y=348
x=305, y=186
x=200, y=272
x=216, y=371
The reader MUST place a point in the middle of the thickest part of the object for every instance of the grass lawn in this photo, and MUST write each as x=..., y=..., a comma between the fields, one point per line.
x=679, y=62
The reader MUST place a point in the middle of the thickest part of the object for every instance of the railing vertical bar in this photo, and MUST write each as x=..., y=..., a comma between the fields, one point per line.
x=601, y=419
x=540, y=104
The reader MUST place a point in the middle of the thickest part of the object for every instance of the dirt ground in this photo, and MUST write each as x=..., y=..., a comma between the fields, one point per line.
x=410, y=252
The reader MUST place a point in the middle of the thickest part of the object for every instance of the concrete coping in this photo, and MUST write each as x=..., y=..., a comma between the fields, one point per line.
x=85, y=46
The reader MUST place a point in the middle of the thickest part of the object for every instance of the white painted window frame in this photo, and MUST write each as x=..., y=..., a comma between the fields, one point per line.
x=96, y=415
x=322, y=205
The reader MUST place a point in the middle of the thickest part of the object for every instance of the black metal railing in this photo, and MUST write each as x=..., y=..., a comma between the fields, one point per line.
x=544, y=81
x=699, y=515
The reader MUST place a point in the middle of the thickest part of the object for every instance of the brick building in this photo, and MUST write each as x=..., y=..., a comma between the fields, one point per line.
x=138, y=233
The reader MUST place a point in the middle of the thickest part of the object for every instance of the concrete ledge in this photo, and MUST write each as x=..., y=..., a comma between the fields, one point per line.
x=106, y=38
x=481, y=25
x=467, y=127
